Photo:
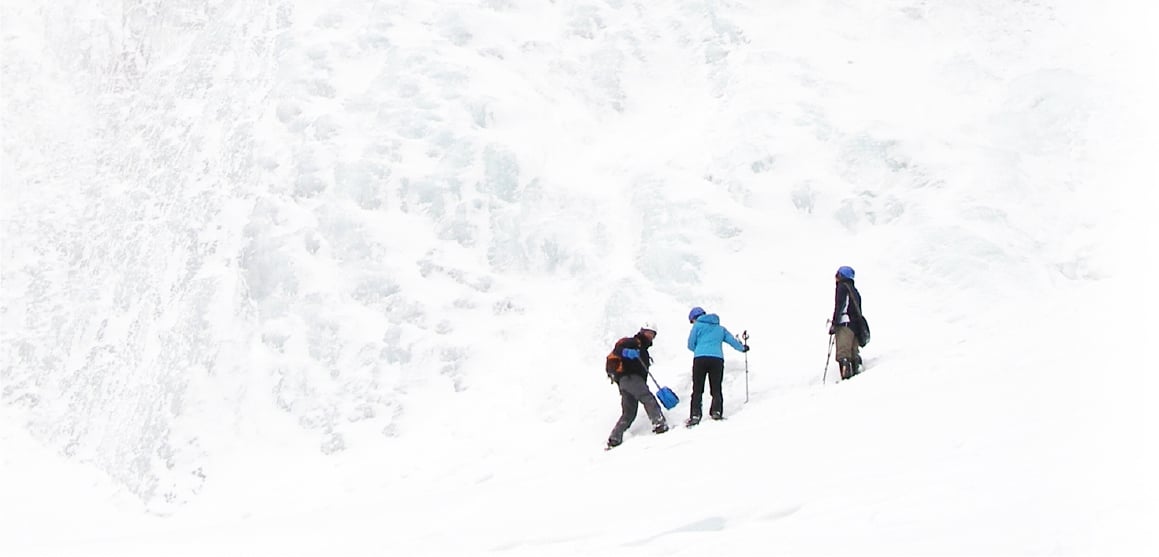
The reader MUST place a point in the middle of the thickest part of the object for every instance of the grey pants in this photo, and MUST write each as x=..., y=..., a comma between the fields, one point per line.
x=846, y=344
x=634, y=392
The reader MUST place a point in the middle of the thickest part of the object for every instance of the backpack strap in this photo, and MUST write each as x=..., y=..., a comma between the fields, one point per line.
x=853, y=300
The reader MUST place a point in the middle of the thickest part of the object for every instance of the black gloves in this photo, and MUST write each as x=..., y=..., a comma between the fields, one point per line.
x=746, y=348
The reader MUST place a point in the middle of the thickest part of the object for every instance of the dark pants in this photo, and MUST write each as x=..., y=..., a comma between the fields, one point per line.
x=711, y=368
x=634, y=392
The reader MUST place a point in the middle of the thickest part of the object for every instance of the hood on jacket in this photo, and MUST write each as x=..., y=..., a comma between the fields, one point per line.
x=710, y=318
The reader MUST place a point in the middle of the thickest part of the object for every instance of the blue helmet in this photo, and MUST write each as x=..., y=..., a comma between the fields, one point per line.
x=696, y=312
x=845, y=272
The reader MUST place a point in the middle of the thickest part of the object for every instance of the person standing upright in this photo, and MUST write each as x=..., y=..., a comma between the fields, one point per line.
x=846, y=319
x=705, y=341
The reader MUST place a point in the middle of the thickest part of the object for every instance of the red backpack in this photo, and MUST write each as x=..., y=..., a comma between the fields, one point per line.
x=615, y=363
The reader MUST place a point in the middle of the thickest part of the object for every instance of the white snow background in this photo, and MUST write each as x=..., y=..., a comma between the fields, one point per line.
x=337, y=278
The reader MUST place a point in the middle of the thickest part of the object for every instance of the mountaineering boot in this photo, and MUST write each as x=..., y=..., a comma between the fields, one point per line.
x=614, y=442
x=660, y=428
x=692, y=421
x=846, y=371
x=716, y=415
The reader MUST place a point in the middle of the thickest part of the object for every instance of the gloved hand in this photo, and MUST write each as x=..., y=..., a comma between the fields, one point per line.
x=746, y=348
x=832, y=329
x=630, y=353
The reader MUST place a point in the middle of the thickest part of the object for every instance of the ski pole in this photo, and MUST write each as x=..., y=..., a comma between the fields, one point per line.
x=827, y=355
x=744, y=335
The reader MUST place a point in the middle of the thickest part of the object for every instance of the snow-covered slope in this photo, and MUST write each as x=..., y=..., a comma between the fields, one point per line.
x=301, y=277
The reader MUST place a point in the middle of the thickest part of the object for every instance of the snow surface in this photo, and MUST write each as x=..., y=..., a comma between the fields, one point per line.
x=336, y=278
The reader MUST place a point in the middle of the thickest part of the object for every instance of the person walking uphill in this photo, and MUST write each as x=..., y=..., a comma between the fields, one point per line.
x=705, y=340
x=632, y=360
x=846, y=317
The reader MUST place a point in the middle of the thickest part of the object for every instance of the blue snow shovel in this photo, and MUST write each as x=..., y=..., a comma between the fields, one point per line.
x=666, y=396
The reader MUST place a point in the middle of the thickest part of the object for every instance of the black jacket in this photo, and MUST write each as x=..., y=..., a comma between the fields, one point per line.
x=845, y=287
x=641, y=343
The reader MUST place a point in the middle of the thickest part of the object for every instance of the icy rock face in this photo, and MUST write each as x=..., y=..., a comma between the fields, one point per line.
x=227, y=225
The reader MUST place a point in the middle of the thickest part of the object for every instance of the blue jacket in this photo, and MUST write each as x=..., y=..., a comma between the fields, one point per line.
x=707, y=335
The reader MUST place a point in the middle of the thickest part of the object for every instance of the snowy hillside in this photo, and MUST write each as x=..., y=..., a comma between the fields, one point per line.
x=294, y=277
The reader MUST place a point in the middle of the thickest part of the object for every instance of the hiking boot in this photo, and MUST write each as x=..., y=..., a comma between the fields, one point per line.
x=614, y=442
x=692, y=421
x=846, y=368
x=660, y=428
x=716, y=415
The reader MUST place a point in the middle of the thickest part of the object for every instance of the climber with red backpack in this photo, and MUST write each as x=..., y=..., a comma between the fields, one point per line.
x=627, y=367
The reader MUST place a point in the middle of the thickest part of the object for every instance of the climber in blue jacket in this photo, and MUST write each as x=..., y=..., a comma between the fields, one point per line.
x=705, y=340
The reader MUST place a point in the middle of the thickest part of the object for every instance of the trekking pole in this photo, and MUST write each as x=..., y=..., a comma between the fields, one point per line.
x=744, y=335
x=827, y=355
